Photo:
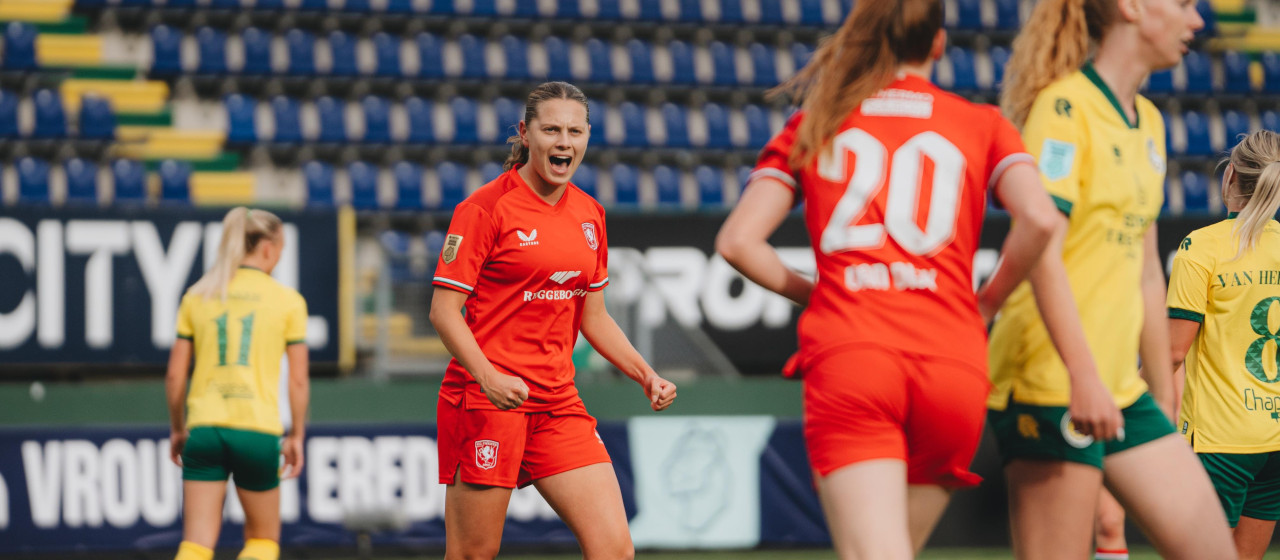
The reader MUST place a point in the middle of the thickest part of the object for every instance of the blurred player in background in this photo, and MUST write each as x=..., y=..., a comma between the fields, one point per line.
x=895, y=175
x=1225, y=282
x=526, y=257
x=238, y=322
x=1064, y=356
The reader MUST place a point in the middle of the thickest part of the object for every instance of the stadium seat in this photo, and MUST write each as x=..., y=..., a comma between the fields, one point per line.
x=509, y=112
x=568, y=9
x=969, y=15
x=285, y=113
x=473, y=57
x=430, y=56
x=484, y=8
x=400, y=7
x=1198, y=139
x=999, y=59
x=489, y=171
x=1236, y=126
x=1210, y=17
x=559, y=61
x=585, y=179
x=422, y=128
x=33, y=181
x=318, y=177
x=641, y=61
x=598, y=115
x=130, y=181
x=1199, y=72
x=634, y=124
x=718, y=131
x=19, y=46
x=757, y=126
x=386, y=49
x=676, y=120
x=272, y=5
x=763, y=61
x=600, y=59
x=377, y=119
x=453, y=184
x=175, y=181
x=364, y=185
x=963, y=74
x=465, y=129
x=302, y=52
x=97, y=120
x=408, y=177
x=358, y=6
x=1195, y=192
x=811, y=13
x=1236, y=70
x=800, y=55
x=443, y=7
x=342, y=49
x=333, y=120
x=8, y=114
x=682, y=64
x=1271, y=121
x=212, y=45
x=771, y=12
x=516, y=52
x=313, y=5
x=626, y=186
x=731, y=11
x=608, y=10
x=166, y=47
x=1161, y=82
x=667, y=180
x=1008, y=17
x=691, y=11
x=257, y=52
x=650, y=10
x=51, y=119
x=710, y=185
x=82, y=181
x=743, y=174
x=724, y=67
x=1271, y=72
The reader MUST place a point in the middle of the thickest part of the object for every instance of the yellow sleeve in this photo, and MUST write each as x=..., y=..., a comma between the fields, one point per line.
x=295, y=327
x=186, y=329
x=1055, y=135
x=1189, y=281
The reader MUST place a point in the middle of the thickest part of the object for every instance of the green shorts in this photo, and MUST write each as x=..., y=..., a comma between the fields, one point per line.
x=1025, y=431
x=214, y=453
x=1247, y=484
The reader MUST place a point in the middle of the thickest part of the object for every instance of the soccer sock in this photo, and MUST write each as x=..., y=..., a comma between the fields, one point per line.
x=192, y=551
x=260, y=549
x=1111, y=554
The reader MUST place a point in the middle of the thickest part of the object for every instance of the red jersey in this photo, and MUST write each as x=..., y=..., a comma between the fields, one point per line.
x=526, y=267
x=894, y=210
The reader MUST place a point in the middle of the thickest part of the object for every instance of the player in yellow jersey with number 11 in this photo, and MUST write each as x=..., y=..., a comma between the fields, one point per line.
x=238, y=322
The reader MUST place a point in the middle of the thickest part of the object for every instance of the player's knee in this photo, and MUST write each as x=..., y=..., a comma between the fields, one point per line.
x=1110, y=526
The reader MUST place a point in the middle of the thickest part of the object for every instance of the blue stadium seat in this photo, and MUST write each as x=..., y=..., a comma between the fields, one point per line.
x=676, y=119
x=1008, y=17
x=559, y=61
x=766, y=68
x=271, y=5
x=364, y=185
x=650, y=10
x=724, y=67
x=302, y=52
x=667, y=180
x=358, y=6
x=568, y=9
x=33, y=181
x=516, y=52
x=257, y=52
x=465, y=129
x=484, y=8
x=166, y=46
x=313, y=5
x=430, y=56
x=284, y=111
x=333, y=120
x=1271, y=72
x=999, y=59
x=473, y=57
x=1236, y=69
x=1210, y=18
x=1195, y=192
x=811, y=13
x=97, y=120
x=600, y=59
x=1199, y=72
x=82, y=181
x=597, y=113
x=19, y=46
x=718, y=131
x=710, y=185
x=585, y=179
x=489, y=171
x=318, y=176
x=731, y=11
x=691, y=11
x=453, y=184
x=608, y=10
x=212, y=45
x=800, y=55
x=51, y=119
x=509, y=112
x=634, y=124
x=130, y=181
x=422, y=128
x=743, y=174
x=963, y=74
x=1198, y=142
x=1236, y=126
x=386, y=49
x=1271, y=121
x=641, y=61
x=771, y=12
x=969, y=14
x=626, y=184
x=757, y=126
x=395, y=245
x=404, y=7
x=1161, y=82
x=8, y=114
x=408, y=177
x=175, y=181
x=443, y=7
x=526, y=9
x=342, y=49
x=682, y=65
x=377, y=119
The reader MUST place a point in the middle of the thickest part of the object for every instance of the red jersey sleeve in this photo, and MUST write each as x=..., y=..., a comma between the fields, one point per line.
x=601, y=277
x=1006, y=150
x=466, y=248
x=773, y=158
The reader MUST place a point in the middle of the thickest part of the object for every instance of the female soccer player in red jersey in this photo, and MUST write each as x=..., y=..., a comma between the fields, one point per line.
x=526, y=257
x=895, y=175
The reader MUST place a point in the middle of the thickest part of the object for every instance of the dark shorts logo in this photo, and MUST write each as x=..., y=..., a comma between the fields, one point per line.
x=451, y=245
x=486, y=453
x=589, y=230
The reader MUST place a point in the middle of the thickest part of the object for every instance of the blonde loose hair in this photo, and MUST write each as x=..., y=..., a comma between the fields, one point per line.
x=861, y=58
x=242, y=230
x=1054, y=42
x=1255, y=163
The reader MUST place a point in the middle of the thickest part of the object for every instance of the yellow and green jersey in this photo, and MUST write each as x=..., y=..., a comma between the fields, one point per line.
x=238, y=346
x=1231, y=403
x=1107, y=175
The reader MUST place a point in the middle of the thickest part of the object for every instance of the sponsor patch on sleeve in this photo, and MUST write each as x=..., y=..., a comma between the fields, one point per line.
x=1057, y=158
x=451, y=245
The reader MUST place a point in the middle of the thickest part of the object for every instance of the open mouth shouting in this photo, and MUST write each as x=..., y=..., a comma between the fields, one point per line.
x=560, y=164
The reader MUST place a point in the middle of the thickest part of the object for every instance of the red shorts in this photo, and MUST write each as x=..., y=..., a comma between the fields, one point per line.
x=510, y=449
x=866, y=403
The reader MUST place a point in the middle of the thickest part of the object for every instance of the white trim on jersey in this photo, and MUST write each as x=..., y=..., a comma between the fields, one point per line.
x=598, y=285
x=1005, y=164
x=773, y=173
x=456, y=283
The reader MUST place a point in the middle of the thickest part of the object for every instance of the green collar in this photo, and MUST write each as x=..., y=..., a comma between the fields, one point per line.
x=245, y=266
x=1231, y=215
x=1092, y=74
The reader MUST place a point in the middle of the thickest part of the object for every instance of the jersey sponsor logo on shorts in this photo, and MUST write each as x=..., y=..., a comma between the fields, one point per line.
x=554, y=295
x=1057, y=158
x=1028, y=427
x=589, y=230
x=565, y=276
x=1074, y=437
x=451, y=245
x=486, y=453
x=530, y=239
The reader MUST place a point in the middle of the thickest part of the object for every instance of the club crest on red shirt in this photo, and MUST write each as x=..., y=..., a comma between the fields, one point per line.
x=486, y=453
x=589, y=230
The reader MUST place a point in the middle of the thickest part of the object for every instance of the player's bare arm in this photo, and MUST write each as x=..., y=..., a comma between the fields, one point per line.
x=743, y=240
x=504, y=391
x=1034, y=218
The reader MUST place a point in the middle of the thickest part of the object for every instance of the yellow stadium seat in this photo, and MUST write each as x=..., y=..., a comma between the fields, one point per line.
x=222, y=189
x=159, y=143
x=127, y=96
x=35, y=11
x=68, y=50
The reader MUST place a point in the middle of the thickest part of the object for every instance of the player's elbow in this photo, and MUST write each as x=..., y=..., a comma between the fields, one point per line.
x=731, y=245
x=1042, y=222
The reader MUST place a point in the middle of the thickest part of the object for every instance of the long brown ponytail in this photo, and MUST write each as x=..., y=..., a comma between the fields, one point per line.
x=544, y=92
x=1256, y=166
x=1053, y=43
x=242, y=230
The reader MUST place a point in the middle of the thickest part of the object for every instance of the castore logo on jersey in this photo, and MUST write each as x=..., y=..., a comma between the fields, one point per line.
x=526, y=240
